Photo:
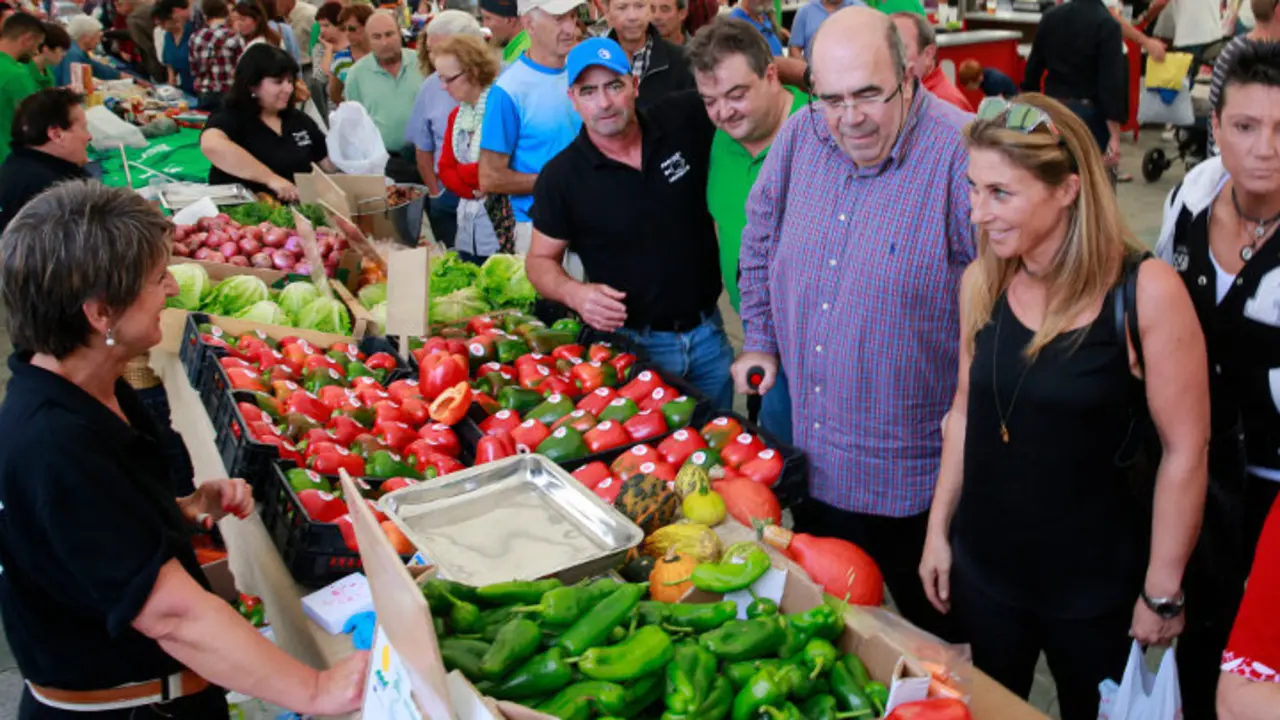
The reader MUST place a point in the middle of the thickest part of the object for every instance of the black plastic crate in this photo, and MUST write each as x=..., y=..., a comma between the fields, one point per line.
x=314, y=552
x=792, y=487
x=191, y=352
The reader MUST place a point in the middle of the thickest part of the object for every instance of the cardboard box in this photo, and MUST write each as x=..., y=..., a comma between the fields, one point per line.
x=222, y=582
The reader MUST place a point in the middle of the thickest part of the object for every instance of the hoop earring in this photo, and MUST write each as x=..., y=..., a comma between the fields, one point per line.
x=111, y=339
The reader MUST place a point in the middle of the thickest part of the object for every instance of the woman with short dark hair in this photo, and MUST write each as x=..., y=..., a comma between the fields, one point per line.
x=260, y=138
x=133, y=631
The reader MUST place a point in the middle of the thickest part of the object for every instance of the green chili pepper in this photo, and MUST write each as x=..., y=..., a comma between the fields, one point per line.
x=878, y=694
x=761, y=607
x=568, y=325
x=539, y=675
x=856, y=669
x=761, y=690
x=744, y=639
x=651, y=612
x=437, y=593
x=496, y=617
x=716, y=706
x=848, y=692
x=690, y=675
x=700, y=617
x=464, y=617
x=464, y=656
x=820, y=656
x=726, y=577
x=819, y=621
x=438, y=624
x=794, y=678
x=563, y=605
x=617, y=635
x=515, y=592
x=793, y=639
x=609, y=698
x=516, y=642
x=788, y=711
x=823, y=707
x=739, y=673
x=592, y=628
x=648, y=650
x=643, y=693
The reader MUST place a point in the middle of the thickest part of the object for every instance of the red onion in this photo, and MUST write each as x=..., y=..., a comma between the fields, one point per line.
x=261, y=260
x=196, y=239
x=223, y=218
x=229, y=249
x=216, y=239
x=283, y=260
x=181, y=232
x=302, y=268
x=249, y=246
x=253, y=232
x=238, y=260
x=334, y=258
x=203, y=253
x=181, y=250
x=275, y=237
x=294, y=244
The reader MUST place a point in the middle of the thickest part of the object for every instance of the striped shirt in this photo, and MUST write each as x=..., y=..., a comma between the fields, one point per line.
x=852, y=277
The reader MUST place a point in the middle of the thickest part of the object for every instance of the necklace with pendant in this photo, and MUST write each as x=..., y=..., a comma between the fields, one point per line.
x=1261, y=228
x=995, y=384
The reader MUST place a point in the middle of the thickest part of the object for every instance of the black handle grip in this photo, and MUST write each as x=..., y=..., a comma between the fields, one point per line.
x=755, y=376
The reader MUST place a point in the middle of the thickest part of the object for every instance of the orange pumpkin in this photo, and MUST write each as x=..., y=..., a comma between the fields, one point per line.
x=669, y=580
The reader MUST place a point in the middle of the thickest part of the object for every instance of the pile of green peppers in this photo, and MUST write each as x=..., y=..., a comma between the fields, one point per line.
x=599, y=650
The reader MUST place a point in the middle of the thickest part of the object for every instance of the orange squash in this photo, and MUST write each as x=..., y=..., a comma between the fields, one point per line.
x=669, y=580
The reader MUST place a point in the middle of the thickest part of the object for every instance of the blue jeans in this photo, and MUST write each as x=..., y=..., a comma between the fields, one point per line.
x=775, y=409
x=702, y=356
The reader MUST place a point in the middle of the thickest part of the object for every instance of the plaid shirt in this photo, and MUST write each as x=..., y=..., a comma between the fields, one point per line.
x=640, y=60
x=213, y=55
x=851, y=275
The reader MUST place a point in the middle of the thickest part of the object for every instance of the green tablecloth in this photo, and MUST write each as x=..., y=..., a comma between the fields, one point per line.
x=177, y=156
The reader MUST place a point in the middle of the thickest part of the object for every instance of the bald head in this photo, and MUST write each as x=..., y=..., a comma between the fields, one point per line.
x=384, y=37
x=859, y=34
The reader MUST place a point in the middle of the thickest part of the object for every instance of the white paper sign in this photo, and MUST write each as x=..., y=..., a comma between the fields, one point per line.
x=388, y=694
x=770, y=585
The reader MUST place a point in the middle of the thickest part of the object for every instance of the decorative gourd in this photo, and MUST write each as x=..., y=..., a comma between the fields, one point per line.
x=748, y=501
x=704, y=506
x=648, y=501
x=669, y=580
x=638, y=568
x=691, y=479
x=690, y=538
x=840, y=567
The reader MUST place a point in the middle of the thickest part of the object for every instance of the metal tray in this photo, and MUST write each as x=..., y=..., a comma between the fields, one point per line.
x=521, y=518
x=176, y=196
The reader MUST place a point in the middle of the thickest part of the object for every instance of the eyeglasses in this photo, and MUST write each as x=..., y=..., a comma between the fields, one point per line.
x=448, y=79
x=836, y=104
x=353, y=28
x=1017, y=116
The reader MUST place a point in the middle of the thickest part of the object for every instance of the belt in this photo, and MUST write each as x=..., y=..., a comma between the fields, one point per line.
x=677, y=325
x=172, y=687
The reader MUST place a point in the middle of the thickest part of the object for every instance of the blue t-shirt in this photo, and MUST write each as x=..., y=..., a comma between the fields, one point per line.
x=177, y=56
x=529, y=116
x=765, y=27
x=808, y=19
x=996, y=83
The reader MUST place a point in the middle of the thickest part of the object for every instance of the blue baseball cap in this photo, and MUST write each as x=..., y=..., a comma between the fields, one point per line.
x=597, y=51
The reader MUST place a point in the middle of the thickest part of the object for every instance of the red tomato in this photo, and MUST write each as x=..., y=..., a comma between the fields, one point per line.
x=441, y=438
x=504, y=420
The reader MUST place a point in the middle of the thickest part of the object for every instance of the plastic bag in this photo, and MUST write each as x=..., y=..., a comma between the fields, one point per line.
x=1170, y=73
x=1153, y=110
x=110, y=132
x=1142, y=695
x=354, y=143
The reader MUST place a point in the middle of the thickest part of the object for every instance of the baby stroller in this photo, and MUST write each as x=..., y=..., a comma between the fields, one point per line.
x=1192, y=139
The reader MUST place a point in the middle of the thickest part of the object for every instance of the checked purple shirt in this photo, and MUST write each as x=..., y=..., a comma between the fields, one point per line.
x=852, y=277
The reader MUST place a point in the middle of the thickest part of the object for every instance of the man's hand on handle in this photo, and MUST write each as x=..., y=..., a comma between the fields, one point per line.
x=743, y=367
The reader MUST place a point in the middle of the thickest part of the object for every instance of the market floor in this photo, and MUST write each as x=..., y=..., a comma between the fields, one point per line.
x=1142, y=204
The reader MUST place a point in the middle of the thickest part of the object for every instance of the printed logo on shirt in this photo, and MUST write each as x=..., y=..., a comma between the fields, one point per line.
x=1181, y=258
x=302, y=138
x=674, y=167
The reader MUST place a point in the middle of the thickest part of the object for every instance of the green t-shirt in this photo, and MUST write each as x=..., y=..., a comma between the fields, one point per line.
x=315, y=37
x=889, y=7
x=733, y=171
x=16, y=83
x=518, y=44
x=44, y=78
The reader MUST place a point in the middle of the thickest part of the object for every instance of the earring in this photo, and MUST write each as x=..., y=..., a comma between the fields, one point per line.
x=111, y=339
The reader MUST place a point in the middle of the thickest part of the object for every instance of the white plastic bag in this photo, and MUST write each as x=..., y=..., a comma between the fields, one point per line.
x=109, y=132
x=354, y=143
x=1142, y=695
x=1154, y=111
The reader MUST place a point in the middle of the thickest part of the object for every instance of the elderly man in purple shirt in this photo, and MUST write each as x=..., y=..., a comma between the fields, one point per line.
x=857, y=234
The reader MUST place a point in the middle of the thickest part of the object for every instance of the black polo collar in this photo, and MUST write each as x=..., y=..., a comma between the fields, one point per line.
x=651, y=137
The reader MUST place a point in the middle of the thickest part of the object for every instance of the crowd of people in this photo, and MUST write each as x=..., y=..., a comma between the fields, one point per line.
x=1050, y=441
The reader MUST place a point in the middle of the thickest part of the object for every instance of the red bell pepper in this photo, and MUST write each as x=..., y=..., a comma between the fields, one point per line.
x=600, y=352
x=442, y=344
x=333, y=396
x=623, y=363
x=452, y=405
x=322, y=445
x=572, y=353
x=766, y=467
x=507, y=372
x=313, y=437
x=592, y=474
x=307, y=404
x=441, y=438
x=284, y=447
x=381, y=361
x=556, y=384
x=416, y=410
x=485, y=403
x=344, y=429
x=682, y=443
x=608, y=489
x=443, y=464
x=597, y=400
x=329, y=462
x=660, y=469
x=529, y=435
x=720, y=432
x=282, y=389
x=534, y=359
x=371, y=396
x=250, y=343
x=259, y=429
x=593, y=375
x=629, y=462
x=364, y=381
x=388, y=410
x=245, y=379
x=401, y=389
x=660, y=396
x=646, y=424
x=640, y=388
x=502, y=421
x=251, y=412
x=531, y=375
x=579, y=420
x=932, y=709
x=395, y=435
x=481, y=323
x=606, y=436
x=230, y=362
x=314, y=362
x=743, y=448
x=440, y=371
x=495, y=447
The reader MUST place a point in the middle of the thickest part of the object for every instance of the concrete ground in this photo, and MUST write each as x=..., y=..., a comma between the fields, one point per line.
x=1141, y=202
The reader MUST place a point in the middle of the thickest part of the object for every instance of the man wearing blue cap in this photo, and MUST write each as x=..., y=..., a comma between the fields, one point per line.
x=629, y=197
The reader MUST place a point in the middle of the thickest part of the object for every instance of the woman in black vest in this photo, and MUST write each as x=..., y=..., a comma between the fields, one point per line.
x=1217, y=232
x=1038, y=540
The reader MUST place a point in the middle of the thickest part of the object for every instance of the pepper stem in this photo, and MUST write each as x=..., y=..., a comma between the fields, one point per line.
x=817, y=668
x=672, y=583
x=529, y=609
x=774, y=712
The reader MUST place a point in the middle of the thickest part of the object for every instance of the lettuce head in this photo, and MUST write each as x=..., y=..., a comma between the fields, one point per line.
x=504, y=283
x=235, y=294
x=266, y=312
x=450, y=272
x=372, y=294
x=457, y=306
x=193, y=286
x=297, y=295
x=325, y=314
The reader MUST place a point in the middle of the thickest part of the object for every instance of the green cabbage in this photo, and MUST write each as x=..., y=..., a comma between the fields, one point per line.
x=450, y=272
x=504, y=283
x=379, y=313
x=235, y=294
x=297, y=295
x=457, y=306
x=325, y=315
x=193, y=285
x=373, y=294
x=266, y=312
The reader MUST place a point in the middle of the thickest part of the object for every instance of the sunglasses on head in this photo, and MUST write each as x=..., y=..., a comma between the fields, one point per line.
x=1017, y=116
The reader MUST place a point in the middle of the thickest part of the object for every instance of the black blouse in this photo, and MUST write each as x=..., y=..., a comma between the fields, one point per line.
x=299, y=143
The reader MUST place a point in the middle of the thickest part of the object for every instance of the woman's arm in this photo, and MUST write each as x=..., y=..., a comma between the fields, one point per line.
x=328, y=166
x=1240, y=698
x=206, y=635
x=335, y=89
x=232, y=159
x=1176, y=375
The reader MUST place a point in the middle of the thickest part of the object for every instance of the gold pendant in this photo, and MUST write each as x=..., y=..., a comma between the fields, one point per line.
x=1004, y=433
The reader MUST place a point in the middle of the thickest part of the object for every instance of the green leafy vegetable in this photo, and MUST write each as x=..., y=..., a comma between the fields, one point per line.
x=504, y=283
x=325, y=315
x=373, y=294
x=265, y=312
x=379, y=313
x=278, y=215
x=457, y=306
x=297, y=295
x=193, y=285
x=235, y=294
x=450, y=272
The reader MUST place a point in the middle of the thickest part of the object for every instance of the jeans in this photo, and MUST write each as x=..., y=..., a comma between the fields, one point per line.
x=775, y=409
x=1094, y=120
x=442, y=213
x=702, y=356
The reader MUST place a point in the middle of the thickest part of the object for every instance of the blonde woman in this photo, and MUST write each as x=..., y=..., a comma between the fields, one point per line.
x=1038, y=539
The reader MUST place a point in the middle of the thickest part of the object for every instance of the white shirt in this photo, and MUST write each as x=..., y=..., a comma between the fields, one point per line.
x=1196, y=22
x=301, y=18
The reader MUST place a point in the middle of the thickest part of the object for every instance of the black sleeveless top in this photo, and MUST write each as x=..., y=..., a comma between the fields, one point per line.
x=1048, y=521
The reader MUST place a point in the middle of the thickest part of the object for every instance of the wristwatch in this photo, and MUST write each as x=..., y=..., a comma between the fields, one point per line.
x=1166, y=607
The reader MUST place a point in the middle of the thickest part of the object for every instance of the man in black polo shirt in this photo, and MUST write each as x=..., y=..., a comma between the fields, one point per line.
x=50, y=144
x=629, y=196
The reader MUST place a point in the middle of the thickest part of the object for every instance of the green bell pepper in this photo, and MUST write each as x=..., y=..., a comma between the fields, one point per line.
x=690, y=675
x=761, y=607
x=648, y=650
x=516, y=642
x=515, y=320
x=744, y=639
x=490, y=384
x=793, y=640
x=384, y=464
x=823, y=707
x=605, y=697
x=761, y=690
x=878, y=694
x=591, y=629
x=563, y=445
x=568, y=325
x=515, y=592
x=619, y=410
x=848, y=692
x=550, y=410
x=547, y=339
x=463, y=655
x=820, y=656
x=819, y=621
x=740, y=672
x=678, y=412
x=316, y=378
x=699, y=617
x=719, y=703
x=511, y=348
x=725, y=577
x=540, y=675
x=518, y=399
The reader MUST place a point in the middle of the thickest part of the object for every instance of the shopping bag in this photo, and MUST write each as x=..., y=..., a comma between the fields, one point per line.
x=108, y=132
x=354, y=143
x=1153, y=110
x=1142, y=695
x=1170, y=73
